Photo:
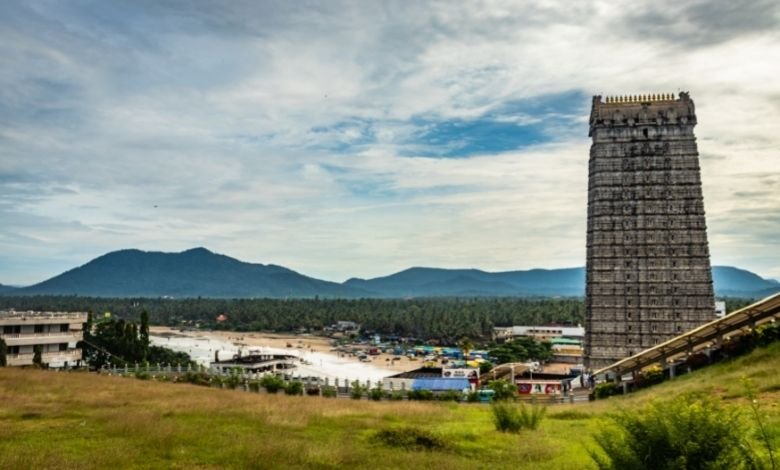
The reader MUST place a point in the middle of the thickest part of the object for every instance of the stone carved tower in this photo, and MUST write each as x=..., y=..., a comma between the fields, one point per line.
x=648, y=264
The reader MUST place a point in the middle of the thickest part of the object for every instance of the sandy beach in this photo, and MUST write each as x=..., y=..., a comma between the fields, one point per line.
x=321, y=359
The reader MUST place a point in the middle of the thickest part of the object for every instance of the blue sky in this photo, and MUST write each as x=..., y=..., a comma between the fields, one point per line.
x=360, y=138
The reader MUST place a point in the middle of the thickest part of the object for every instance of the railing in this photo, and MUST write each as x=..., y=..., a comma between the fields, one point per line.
x=42, y=334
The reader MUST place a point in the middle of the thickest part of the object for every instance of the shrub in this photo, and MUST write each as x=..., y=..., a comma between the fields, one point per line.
x=376, y=394
x=231, y=381
x=410, y=438
x=397, y=395
x=653, y=375
x=254, y=385
x=450, y=395
x=504, y=389
x=688, y=432
x=272, y=383
x=472, y=397
x=767, y=333
x=294, y=388
x=423, y=395
x=196, y=378
x=606, y=389
x=509, y=417
x=141, y=375
x=329, y=392
x=356, y=390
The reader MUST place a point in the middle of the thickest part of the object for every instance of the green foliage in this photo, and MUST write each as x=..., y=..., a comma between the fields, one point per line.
x=652, y=375
x=272, y=383
x=3, y=353
x=767, y=333
x=472, y=397
x=231, y=381
x=294, y=388
x=504, y=389
x=142, y=375
x=114, y=341
x=356, y=390
x=329, y=392
x=196, y=378
x=37, y=355
x=397, y=395
x=422, y=395
x=511, y=417
x=410, y=438
x=685, y=433
x=485, y=367
x=763, y=433
x=525, y=348
x=376, y=393
x=450, y=395
x=606, y=389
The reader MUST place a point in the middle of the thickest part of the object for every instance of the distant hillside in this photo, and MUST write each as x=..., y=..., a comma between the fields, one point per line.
x=199, y=272
x=735, y=282
x=417, y=282
x=192, y=273
x=7, y=289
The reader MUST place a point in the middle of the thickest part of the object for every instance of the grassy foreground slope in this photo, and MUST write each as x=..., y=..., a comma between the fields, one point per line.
x=80, y=420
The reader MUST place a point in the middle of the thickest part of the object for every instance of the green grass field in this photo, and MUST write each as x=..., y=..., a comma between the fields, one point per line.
x=80, y=420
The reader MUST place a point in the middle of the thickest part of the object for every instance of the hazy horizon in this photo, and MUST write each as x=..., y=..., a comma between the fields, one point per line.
x=357, y=139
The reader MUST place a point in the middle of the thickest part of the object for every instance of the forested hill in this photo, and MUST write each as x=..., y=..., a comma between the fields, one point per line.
x=201, y=273
x=192, y=273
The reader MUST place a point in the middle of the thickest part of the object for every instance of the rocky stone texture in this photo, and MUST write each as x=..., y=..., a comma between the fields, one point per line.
x=648, y=275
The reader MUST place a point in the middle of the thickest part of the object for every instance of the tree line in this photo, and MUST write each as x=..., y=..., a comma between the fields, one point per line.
x=434, y=318
x=445, y=319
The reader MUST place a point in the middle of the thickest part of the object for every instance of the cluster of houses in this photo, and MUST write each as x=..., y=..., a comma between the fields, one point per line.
x=53, y=337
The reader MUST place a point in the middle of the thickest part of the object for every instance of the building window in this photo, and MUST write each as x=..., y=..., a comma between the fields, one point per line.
x=654, y=327
x=679, y=328
x=630, y=327
x=63, y=346
x=38, y=328
x=64, y=328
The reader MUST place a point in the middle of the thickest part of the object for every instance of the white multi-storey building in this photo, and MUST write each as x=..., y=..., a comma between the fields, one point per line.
x=57, y=334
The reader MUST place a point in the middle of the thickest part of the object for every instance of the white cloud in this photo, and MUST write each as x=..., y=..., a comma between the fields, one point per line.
x=273, y=133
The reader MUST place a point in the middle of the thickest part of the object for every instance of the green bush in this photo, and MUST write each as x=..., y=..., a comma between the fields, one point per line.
x=472, y=397
x=141, y=375
x=356, y=390
x=294, y=388
x=606, y=389
x=410, y=438
x=196, y=378
x=397, y=395
x=450, y=395
x=271, y=383
x=376, y=394
x=504, y=390
x=685, y=433
x=329, y=392
x=423, y=395
x=254, y=385
x=231, y=381
x=510, y=417
x=768, y=333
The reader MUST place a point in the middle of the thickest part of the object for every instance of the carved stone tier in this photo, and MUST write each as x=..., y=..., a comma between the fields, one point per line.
x=648, y=264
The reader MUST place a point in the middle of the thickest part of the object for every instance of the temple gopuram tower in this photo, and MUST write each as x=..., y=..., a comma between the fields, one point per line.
x=648, y=265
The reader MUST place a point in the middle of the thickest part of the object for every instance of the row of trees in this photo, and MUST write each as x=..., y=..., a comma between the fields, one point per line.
x=109, y=340
x=445, y=319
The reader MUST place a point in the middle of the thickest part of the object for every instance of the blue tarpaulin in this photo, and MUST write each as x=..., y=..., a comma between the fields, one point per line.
x=440, y=384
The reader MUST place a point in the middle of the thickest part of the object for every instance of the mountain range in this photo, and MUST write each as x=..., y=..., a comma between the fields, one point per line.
x=201, y=273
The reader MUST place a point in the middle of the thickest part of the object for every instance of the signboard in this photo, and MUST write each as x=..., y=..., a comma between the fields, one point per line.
x=720, y=308
x=460, y=373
